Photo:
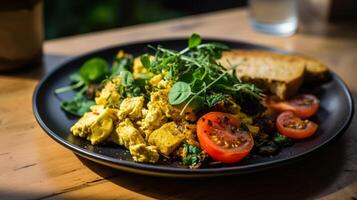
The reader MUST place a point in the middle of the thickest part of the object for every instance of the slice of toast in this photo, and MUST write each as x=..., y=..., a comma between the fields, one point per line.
x=272, y=72
x=314, y=70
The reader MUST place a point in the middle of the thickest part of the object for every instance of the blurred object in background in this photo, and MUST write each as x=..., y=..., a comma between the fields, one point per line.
x=68, y=17
x=343, y=11
x=21, y=33
x=328, y=17
x=276, y=17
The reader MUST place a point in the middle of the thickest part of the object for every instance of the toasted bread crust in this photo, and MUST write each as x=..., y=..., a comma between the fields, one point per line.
x=313, y=68
x=280, y=74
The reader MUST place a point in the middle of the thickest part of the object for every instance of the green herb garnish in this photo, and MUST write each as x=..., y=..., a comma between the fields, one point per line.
x=92, y=71
x=197, y=76
x=78, y=105
x=213, y=99
x=282, y=140
x=199, y=81
x=271, y=144
x=194, y=40
x=193, y=156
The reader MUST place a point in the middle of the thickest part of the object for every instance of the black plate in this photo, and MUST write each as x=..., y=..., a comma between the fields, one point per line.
x=333, y=117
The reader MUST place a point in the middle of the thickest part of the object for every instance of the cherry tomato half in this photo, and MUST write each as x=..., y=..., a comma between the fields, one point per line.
x=303, y=106
x=294, y=127
x=220, y=136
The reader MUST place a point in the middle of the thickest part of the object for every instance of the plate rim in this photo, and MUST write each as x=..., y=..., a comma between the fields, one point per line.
x=144, y=168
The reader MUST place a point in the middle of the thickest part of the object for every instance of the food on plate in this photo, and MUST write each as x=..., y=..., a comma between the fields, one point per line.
x=278, y=74
x=222, y=138
x=191, y=105
x=293, y=126
x=304, y=105
x=315, y=70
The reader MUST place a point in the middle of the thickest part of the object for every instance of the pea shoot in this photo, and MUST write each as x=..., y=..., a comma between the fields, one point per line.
x=197, y=75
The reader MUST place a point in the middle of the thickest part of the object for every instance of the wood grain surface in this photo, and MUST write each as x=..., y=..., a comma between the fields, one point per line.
x=33, y=166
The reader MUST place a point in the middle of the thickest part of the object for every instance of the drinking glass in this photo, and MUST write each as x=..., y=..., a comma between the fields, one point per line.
x=276, y=17
x=21, y=33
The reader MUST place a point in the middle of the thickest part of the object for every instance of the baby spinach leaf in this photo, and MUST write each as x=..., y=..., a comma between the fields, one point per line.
x=145, y=60
x=126, y=78
x=179, y=92
x=194, y=41
x=78, y=106
x=93, y=70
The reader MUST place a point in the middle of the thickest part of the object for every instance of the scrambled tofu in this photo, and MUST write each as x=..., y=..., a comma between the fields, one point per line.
x=143, y=153
x=132, y=124
x=96, y=126
x=145, y=129
x=160, y=110
x=159, y=82
x=148, y=128
x=127, y=135
x=153, y=119
x=253, y=129
x=109, y=94
x=82, y=127
x=167, y=138
x=131, y=108
x=138, y=68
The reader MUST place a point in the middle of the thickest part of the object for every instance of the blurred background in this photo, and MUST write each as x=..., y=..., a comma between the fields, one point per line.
x=68, y=17
x=49, y=19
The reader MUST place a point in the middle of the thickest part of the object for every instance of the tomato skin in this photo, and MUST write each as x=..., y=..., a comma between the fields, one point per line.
x=211, y=124
x=289, y=117
x=303, y=106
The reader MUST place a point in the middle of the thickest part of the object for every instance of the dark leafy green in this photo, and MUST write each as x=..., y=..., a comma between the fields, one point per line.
x=78, y=106
x=94, y=70
x=197, y=67
x=121, y=64
x=199, y=81
x=179, y=93
x=213, y=99
x=271, y=144
x=243, y=127
x=193, y=156
x=145, y=60
x=130, y=87
x=126, y=78
x=282, y=140
x=194, y=40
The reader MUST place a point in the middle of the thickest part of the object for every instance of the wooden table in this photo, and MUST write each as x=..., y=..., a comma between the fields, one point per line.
x=33, y=166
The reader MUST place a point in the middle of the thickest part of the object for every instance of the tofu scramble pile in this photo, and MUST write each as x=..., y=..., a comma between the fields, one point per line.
x=166, y=106
x=144, y=128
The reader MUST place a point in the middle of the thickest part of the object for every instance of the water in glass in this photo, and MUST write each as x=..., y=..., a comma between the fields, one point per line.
x=277, y=17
